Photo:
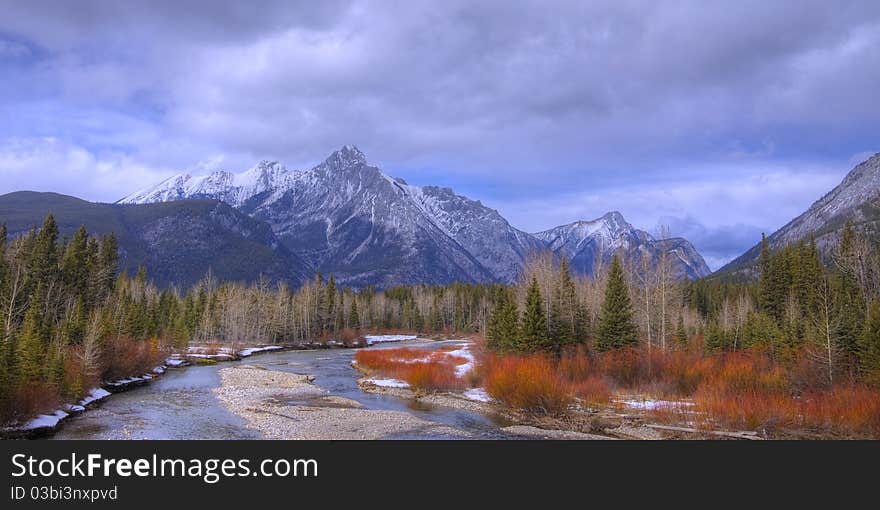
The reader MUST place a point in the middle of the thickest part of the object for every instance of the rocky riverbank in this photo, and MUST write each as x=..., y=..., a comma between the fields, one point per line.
x=282, y=405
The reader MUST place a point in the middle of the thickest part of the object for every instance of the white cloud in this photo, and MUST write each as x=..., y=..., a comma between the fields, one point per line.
x=50, y=164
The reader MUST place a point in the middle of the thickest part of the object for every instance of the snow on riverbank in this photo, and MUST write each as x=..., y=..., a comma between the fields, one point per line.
x=387, y=383
x=244, y=353
x=96, y=395
x=377, y=339
x=46, y=421
x=651, y=405
x=464, y=368
x=477, y=394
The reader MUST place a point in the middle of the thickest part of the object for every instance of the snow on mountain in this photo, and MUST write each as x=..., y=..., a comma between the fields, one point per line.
x=590, y=245
x=855, y=200
x=347, y=217
x=233, y=189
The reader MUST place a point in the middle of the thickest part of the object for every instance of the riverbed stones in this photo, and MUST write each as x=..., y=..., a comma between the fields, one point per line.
x=263, y=398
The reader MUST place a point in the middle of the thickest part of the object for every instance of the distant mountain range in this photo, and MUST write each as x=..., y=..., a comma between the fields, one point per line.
x=177, y=241
x=855, y=200
x=348, y=218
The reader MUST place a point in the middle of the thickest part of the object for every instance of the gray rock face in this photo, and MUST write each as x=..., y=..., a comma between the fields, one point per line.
x=590, y=245
x=347, y=217
x=856, y=199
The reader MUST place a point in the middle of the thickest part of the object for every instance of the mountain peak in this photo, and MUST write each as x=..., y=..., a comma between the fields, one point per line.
x=347, y=156
x=616, y=219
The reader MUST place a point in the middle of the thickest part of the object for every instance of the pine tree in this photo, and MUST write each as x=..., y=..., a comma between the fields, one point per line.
x=75, y=264
x=32, y=343
x=330, y=303
x=616, y=326
x=502, y=330
x=354, y=319
x=436, y=317
x=533, y=331
x=715, y=339
x=869, y=346
x=680, y=337
x=43, y=263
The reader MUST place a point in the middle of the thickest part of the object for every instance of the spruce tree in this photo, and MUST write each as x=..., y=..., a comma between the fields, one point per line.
x=75, y=264
x=330, y=303
x=354, y=319
x=503, y=327
x=616, y=326
x=44, y=257
x=869, y=346
x=680, y=337
x=32, y=342
x=533, y=331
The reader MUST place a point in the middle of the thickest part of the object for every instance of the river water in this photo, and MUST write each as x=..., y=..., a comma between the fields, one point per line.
x=182, y=405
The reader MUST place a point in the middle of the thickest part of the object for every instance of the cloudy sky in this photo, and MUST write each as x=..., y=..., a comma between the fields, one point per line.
x=720, y=119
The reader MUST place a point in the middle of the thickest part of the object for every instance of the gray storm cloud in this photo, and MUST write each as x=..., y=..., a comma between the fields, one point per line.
x=563, y=104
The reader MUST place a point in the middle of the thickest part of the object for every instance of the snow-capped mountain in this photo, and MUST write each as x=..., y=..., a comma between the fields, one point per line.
x=347, y=217
x=855, y=200
x=234, y=189
x=590, y=245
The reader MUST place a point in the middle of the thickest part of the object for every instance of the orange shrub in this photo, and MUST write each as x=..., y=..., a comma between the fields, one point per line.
x=592, y=390
x=351, y=337
x=423, y=369
x=576, y=365
x=742, y=373
x=530, y=383
x=432, y=375
x=623, y=366
x=853, y=410
x=126, y=357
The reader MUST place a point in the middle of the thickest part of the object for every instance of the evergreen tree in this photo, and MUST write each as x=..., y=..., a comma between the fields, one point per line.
x=715, y=339
x=616, y=326
x=44, y=255
x=533, y=331
x=354, y=319
x=869, y=346
x=32, y=343
x=330, y=303
x=75, y=268
x=680, y=336
x=502, y=329
x=436, y=317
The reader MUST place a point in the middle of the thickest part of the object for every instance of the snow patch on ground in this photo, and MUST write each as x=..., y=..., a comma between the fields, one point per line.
x=95, y=395
x=650, y=405
x=388, y=383
x=478, y=394
x=464, y=368
x=376, y=339
x=46, y=420
x=244, y=353
x=175, y=362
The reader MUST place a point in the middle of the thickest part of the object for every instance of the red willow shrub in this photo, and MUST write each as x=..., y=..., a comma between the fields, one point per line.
x=125, y=357
x=852, y=410
x=423, y=369
x=530, y=383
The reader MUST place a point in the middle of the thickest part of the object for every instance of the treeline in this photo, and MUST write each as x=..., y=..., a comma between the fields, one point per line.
x=552, y=310
x=68, y=321
x=798, y=308
x=826, y=320
x=321, y=311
